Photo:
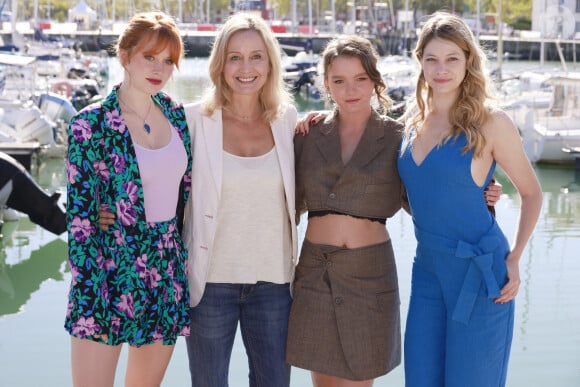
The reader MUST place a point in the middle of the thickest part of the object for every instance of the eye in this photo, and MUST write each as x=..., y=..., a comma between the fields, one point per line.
x=363, y=78
x=257, y=56
x=149, y=57
x=169, y=62
x=338, y=81
x=234, y=58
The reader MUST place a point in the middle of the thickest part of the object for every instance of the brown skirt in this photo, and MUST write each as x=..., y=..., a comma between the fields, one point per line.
x=345, y=317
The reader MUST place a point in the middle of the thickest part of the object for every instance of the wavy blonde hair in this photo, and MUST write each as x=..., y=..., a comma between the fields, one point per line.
x=470, y=111
x=274, y=96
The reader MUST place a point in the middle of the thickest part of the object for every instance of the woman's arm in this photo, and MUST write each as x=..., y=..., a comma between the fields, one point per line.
x=85, y=169
x=507, y=150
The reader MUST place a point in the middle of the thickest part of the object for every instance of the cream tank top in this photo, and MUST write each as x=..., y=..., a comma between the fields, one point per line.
x=253, y=236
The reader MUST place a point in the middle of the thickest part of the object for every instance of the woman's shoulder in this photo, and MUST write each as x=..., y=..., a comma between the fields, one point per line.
x=391, y=126
x=288, y=113
x=193, y=105
x=91, y=109
x=289, y=109
x=499, y=121
x=193, y=108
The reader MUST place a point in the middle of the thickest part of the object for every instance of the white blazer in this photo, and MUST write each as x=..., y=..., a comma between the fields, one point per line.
x=201, y=211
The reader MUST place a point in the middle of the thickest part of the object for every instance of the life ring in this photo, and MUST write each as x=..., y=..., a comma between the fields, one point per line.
x=63, y=88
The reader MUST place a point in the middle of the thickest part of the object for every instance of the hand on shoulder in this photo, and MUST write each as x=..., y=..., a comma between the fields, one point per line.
x=312, y=118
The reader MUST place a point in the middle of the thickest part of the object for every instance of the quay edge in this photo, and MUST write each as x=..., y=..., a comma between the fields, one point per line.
x=198, y=44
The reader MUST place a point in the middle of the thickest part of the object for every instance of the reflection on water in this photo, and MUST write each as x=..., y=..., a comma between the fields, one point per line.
x=18, y=281
x=561, y=205
x=30, y=255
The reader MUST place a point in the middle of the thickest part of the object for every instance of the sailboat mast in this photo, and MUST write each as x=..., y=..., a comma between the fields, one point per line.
x=499, y=41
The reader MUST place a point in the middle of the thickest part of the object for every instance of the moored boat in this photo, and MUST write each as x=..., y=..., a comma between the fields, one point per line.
x=552, y=134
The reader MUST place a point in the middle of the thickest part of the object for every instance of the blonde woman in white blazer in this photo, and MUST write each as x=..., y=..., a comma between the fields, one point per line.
x=240, y=226
x=202, y=211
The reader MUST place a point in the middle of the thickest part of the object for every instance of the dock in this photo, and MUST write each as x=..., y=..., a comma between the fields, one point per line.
x=575, y=151
x=198, y=43
x=23, y=152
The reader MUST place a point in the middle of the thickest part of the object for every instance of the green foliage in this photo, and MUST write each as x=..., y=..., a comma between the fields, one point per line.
x=522, y=23
x=516, y=13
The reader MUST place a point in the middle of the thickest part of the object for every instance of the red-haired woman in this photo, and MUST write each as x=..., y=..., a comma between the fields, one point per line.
x=130, y=155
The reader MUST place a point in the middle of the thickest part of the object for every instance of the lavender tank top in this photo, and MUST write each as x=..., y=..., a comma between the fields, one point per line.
x=161, y=171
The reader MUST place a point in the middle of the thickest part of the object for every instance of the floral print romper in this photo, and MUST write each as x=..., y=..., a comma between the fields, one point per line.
x=129, y=284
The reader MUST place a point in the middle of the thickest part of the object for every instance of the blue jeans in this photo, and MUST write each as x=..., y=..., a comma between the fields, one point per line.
x=262, y=310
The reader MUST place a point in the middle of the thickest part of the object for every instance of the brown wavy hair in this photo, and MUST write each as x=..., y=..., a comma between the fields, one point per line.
x=361, y=48
x=470, y=111
x=274, y=96
x=147, y=26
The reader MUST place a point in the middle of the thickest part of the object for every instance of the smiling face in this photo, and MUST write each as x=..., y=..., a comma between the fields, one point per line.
x=349, y=85
x=147, y=70
x=444, y=66
x=247, y=63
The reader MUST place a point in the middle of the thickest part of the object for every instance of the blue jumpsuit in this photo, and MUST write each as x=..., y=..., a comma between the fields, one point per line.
x=456, y=336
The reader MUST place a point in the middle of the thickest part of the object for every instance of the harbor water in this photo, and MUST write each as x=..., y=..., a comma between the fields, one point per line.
x=34, y=281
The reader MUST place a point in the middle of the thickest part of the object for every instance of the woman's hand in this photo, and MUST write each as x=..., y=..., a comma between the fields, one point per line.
x=492, y=193
x=510, y=289
x=303, y=125
x=106, y=219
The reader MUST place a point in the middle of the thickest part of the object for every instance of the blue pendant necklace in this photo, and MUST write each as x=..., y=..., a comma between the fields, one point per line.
x=144, y=119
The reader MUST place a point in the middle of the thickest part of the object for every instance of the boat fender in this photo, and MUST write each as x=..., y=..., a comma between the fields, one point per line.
x=63, y=88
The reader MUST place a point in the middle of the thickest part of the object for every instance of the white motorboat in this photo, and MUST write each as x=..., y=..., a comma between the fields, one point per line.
x=38, y=124
x=552, y=134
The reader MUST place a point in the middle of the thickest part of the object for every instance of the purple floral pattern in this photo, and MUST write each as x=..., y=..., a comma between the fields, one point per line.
x=129, y=284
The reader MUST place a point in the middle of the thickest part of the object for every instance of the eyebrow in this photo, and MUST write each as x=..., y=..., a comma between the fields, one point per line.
x=428, y=54
x=239, y=52
x=344, y=76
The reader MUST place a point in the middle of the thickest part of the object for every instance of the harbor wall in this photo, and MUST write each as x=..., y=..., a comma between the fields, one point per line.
x=198, y=44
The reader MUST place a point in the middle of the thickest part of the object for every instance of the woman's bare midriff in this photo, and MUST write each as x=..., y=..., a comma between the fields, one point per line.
x=345, y=231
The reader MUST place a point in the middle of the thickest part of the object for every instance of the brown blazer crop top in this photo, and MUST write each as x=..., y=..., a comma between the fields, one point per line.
x=367, y=186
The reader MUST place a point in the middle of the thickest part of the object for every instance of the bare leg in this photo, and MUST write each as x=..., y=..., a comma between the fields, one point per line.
x=323, y=380
x=93, y=364
x=147, y=365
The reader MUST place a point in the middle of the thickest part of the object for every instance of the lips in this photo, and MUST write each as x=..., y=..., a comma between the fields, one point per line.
x=246, y=79
x=154, y=81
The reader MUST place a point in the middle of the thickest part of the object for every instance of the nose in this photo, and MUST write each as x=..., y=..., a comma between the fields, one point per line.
x=350, y=86
x=441, y=68
x=157, y=65
x=246, y=64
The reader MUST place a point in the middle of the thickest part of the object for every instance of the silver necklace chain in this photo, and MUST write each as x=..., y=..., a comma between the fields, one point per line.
x=146, y=126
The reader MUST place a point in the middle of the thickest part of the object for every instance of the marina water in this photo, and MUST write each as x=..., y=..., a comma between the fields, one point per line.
x=34, y=280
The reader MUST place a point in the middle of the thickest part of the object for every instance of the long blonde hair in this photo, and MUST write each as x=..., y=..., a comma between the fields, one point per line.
x=469, y=112
x=274, y=96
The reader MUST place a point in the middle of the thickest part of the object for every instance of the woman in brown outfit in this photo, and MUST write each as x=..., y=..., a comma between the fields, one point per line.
x=345, y=321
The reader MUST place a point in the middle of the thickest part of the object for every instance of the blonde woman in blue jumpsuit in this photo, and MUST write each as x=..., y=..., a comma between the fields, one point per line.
x=465, y=275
